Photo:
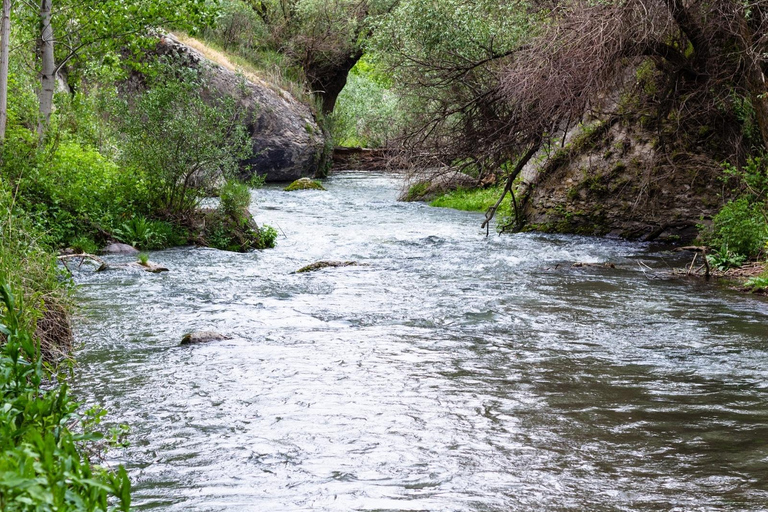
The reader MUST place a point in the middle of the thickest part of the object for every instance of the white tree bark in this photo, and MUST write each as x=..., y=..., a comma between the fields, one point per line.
x=5, y=37
x=48, y=73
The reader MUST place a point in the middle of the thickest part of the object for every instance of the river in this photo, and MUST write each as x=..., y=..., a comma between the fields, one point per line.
x=451, y=372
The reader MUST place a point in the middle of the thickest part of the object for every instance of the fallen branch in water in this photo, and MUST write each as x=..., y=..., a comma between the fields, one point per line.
x=697, y=249
x=84, y=256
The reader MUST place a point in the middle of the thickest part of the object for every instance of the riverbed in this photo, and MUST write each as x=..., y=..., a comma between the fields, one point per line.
x=449, y=372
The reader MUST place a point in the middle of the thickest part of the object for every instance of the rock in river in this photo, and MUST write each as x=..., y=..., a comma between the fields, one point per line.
x=327, y=264
x=193, y=338
x=304, y=184
x=118, y=248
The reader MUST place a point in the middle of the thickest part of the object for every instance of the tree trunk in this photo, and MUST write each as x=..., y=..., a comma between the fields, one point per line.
x=48, y=73
x=329, y=81
x=5, y=38
x=755, y=78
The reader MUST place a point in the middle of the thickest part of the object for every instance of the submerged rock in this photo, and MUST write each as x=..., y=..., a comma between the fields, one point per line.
x=202, y=337
x=327, y=264
x=304, y=184
x=118, y=248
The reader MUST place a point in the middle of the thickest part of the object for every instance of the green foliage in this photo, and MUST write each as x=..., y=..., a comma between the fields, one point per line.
x=24, y=262
x=257, y=180
x=366, y=113
x=138, y=232
x=267, y=237
x=752, y=177
x=143, y=258
x=740, y=226
x=43, y=462
x=475, y=199
x=84, y=244
x=235, y=198
x=98, y=29
x=239, y=28
x=725, y=259
x=144, y=233
x=417, y=191
x=180, y=143
x=758, y=283
x=450, y=31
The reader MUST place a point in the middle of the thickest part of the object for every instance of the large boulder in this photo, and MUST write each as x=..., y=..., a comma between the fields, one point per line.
x=286, y=141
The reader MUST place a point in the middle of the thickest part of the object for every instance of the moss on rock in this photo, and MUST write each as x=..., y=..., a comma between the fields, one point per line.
x=304, y=184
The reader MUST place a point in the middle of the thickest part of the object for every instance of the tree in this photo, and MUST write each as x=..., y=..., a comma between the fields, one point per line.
x=97, y=29
x=324, y=38
x=5, y=38
x=488, y=106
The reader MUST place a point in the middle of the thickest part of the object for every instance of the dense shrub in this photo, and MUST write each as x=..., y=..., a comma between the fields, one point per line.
x=366, y=113
x=741, y=226
x=24, y=262
x=180, y=143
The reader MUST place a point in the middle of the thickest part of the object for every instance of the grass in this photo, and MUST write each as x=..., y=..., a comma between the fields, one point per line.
x=472, y=200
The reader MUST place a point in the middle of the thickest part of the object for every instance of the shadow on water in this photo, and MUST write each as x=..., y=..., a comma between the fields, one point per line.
x=454, y=372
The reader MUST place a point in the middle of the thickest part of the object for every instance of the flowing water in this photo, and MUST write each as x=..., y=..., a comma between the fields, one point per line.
x=451, y=372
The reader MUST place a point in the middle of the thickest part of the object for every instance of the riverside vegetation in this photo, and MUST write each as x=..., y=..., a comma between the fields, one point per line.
x=131, y=144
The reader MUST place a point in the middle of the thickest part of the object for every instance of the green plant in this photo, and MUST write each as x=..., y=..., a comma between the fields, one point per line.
x=725, y=259
x=475, y=199
x=43, y=462
x=179, y=140
x=267, y=237
x=143, y=258
x=235, y=199
x=757, y=284
x=257, y=180
x=417, y=191
x=84, y=243
x=139, y=232
x=740, y=226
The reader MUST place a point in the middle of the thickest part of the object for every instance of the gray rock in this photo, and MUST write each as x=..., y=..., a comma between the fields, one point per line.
x=286, y=142
x=202, y=337
x=118, y=248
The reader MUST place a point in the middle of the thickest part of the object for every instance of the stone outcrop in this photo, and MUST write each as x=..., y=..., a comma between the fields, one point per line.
x=613, y=179
x=286, y=142
x=632, y=168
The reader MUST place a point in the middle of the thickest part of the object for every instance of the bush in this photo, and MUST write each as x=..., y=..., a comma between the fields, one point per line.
x=43, y=463
x=180, y=142
x=366, y=113
x=235, y=199
x=741, y=227
x=267, y=237
x=238, y=28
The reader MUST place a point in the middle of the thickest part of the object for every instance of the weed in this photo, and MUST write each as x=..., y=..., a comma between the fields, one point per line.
x=725, y=259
